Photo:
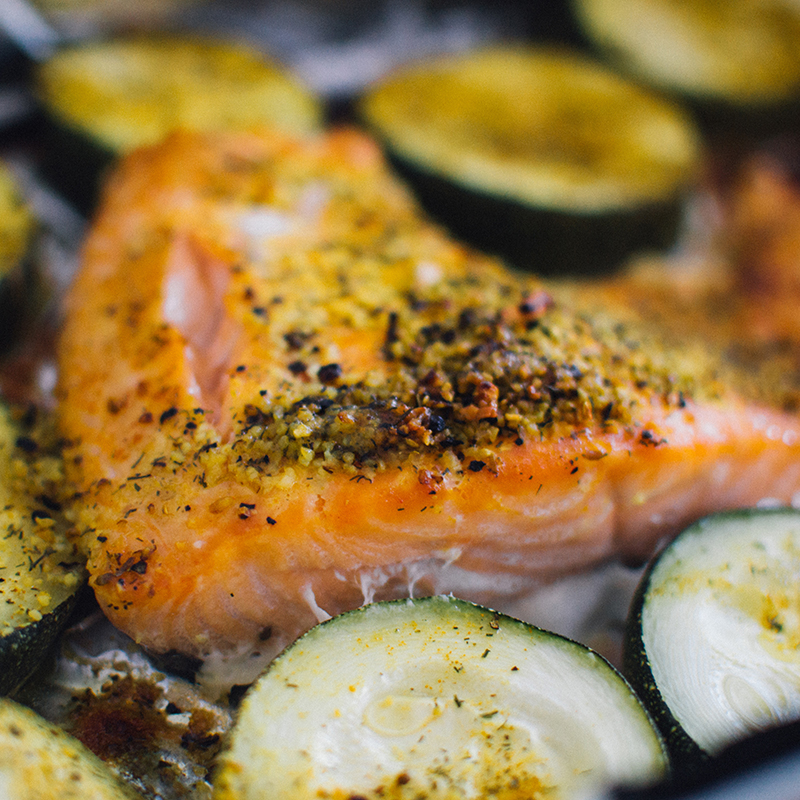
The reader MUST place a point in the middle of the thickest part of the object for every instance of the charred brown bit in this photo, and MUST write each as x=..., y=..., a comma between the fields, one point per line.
x=121, y=720
x=130, y=724
x=463, y=380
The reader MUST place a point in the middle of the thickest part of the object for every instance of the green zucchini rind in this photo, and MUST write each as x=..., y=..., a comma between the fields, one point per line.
x=40, y=570
x=735, y=62
x=18, y=277
x=39, y=761
x=713, y=638
x=438, y=698
x=539, y=154
x=104, y=99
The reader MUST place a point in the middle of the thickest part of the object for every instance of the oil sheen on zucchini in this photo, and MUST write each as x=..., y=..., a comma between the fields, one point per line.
x=539, y=154
x=106, y=98
x=17, y=279
x=40, y=571
x=713, y=644
x=436, y=698
x=39, y=761
x=738, y=53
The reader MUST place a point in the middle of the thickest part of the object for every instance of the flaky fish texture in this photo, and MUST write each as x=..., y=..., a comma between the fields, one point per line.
x=286, y=392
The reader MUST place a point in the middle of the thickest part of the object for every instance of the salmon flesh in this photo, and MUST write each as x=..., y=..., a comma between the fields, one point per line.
x=286, y=392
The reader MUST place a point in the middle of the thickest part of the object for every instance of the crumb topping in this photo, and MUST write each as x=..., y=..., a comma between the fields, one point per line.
x=39, y=566
x=371, y=339
x=458, y=382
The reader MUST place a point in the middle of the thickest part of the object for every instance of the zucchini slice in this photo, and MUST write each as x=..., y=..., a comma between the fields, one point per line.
x=713, y=640
x=40, y=571
x=106, y=98
x=538, y=154
x=737, y=54
x=17, y=271
x=39, y=761
x=436, y=698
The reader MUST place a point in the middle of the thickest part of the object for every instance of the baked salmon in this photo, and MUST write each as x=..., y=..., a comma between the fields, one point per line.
x=286, y=392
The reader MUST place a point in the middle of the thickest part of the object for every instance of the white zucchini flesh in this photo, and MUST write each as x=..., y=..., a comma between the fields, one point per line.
x=721, y=625
x=436, y=698
x=39, y=761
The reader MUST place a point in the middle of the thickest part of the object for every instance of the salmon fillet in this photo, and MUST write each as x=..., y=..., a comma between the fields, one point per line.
x=285, y=392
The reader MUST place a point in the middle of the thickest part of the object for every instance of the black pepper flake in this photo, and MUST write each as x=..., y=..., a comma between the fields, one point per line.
x=329, y=373
x=391, y=336
x=48, y=502
x=115, y=405
x=536, y=304
x=26, y=444
x=271, y=521
x=573, y=470
x=436, y=424
x=295, y=339
x=241, y=368
x=476, y=466
x=168, y=414
x=649, y=439
x=297, y=367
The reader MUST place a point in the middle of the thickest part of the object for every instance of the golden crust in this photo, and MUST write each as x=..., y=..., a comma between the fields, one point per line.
x=288, y=392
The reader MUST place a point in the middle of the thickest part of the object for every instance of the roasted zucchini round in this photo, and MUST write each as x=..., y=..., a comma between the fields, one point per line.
x=17, y=268
x=106, y=98
x=538, y=154
x=713, y=640
x=40, y=570
x=436, y=698
x=39, y=761
x=737, y=55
